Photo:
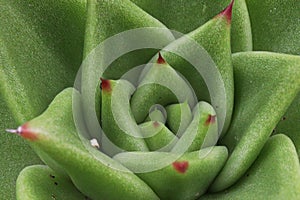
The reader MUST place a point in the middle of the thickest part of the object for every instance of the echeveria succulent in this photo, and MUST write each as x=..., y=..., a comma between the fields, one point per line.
x=140, y=99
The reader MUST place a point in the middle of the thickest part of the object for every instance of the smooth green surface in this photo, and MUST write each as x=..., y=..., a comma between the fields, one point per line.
x=40, y=182
x=40, y=50
x=262, y=85
x=274, y=175
x=275, y=25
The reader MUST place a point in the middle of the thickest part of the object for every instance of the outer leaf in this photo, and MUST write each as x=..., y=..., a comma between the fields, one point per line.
x=96, y=175
x=266, y=83
x=186, y=16
x=40, y=51
x=274, y=175
x=290, y=123
x=40, y=182
x=275, y=25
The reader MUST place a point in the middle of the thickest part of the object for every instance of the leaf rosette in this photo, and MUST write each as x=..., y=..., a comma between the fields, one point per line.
x=159, y=114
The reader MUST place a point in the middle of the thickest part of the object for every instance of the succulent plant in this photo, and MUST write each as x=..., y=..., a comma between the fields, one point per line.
x=207, y=108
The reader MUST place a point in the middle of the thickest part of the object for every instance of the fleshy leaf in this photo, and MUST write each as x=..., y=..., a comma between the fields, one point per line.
x=274, y=175
x=241, y=34
x=186, y=16
x=275, y=25
x=40, y=182
x=158, y=136
x=266, y=83
x=186, y=178
x=111, y=18
x=92, y=172
x=214, y=37
x=290, y=123
x=117, y=122
x=160, y=84
x=40, y=49
x=179, y=116
x=201, y=132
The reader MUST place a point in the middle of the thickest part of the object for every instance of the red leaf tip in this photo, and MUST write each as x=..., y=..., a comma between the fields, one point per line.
x=210, y=119
x=160, y=59
x=181, y=166
x=105, y=85
x=24, y=132
x=227, y=12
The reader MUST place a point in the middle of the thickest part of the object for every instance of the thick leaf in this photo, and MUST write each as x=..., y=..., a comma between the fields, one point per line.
x=40, y=51
x=111, y=18
x=274, y=175
x=186, y=16
x=40, y=182
x=241, y=33
x=186, y=177
x=266, y=84
x=275, y=25
x=210, y=82
x=54, y=136
x=290, y=123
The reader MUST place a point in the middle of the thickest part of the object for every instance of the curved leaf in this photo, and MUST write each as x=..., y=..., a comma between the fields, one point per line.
x=40, y=50
x=40, y=182
x=266, y=83
x=274, y=175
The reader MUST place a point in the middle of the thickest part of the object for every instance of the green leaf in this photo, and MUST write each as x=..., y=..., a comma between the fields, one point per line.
x=54, y=137
x=182, y=177
x=186, y=16
x=275, y=25
x=241, y=33
x=40, y=51
x=40, y=182
x=274, y=175
x=290, y=123
x=265, y=85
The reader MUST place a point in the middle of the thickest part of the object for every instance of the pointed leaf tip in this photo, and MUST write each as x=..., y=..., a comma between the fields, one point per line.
x=23, y=132
x=160, y=59
x=105, y=85
x=227, y=12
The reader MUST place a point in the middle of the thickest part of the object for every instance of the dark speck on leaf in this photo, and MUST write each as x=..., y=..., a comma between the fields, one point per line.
x=52, y=176
x=55, y=183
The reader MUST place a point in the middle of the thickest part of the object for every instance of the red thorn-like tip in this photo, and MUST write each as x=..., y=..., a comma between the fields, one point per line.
x=227, y=12
x=181, y=166
x=24, y=132
x=160, y=59
x=210, y=119
x=105, y=85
